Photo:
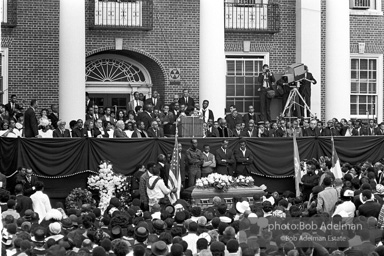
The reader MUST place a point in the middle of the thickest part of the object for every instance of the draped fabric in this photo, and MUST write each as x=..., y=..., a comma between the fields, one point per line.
x=59, y=157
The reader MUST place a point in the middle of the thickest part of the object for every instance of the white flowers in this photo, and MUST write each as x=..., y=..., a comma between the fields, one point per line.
x=108, y=183
x=223, y=181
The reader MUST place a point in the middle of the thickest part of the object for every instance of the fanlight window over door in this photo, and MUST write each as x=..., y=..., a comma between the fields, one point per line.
x=113, y=70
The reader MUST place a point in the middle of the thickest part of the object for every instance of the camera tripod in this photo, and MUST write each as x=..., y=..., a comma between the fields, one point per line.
x=294, y=96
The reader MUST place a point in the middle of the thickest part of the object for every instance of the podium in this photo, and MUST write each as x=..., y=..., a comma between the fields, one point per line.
x=191, y=126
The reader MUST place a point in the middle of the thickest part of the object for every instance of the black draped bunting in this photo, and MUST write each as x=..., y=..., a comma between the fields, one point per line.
x=63, y=157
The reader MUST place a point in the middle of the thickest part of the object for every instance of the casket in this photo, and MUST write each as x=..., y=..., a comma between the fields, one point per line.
x=204, y=197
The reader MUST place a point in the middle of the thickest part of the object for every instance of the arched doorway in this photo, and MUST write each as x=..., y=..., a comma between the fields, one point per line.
x=111, y=80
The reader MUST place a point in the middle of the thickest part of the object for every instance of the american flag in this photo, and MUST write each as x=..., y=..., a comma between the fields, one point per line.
x=174, y=180
x=296, y=161
x=336, y=169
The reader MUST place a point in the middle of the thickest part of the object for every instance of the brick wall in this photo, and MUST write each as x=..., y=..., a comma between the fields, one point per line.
x=281, y=46
x=173, y=43
x=34, y=52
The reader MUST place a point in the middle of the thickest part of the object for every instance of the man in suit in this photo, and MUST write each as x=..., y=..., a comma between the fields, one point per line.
x=380, y=129
x=224, y=159
x=233, y=119
x=23, y=202
x=244, y=160
x=187, y=101
x=183, y=164
x=251, y=115
x=237, y=132
x=206, y=113
x=305, y=88
x=282, y=130
x=60, y=131
x=155, y=101
x=79, y=130
x=357, y=128
x=140, y=131
x=195, y=161
x=54, y=115
x=147, y=116
x=312, y=130
x=30, y=121
x=135, y=102
x=27, y=181
x=99, y=131
x=222, y=130
x=12, y=107
x=168, y=119
x=88, y=102
x=155, y=131
x=330, y=130
x=90, y=114
x=265, y=79
x=261, y=131
x=209, y=162
x=119, y=130
x=251, y=130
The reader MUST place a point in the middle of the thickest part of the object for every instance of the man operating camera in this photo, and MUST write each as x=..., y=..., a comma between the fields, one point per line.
x=265, y=79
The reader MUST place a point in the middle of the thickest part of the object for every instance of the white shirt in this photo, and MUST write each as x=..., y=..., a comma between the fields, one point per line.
x=159, y=191
x=47, y=134
x=40, y=204
x=191, y=239
x=347, y=207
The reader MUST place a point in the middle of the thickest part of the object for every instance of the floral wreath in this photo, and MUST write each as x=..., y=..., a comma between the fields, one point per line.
x=78, y=197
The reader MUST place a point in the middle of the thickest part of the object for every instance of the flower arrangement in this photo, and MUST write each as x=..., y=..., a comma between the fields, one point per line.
x=223, y=182
x=78, y=197
x=108, y=183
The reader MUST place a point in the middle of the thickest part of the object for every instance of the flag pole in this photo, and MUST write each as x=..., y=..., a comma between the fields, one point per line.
x=296, y=161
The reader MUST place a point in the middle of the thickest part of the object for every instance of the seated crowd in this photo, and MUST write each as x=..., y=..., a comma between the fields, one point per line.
x=151, y=118
x=31, y=226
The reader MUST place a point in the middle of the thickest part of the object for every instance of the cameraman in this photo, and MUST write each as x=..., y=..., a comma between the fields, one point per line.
x=265, y=79
x=305, y=88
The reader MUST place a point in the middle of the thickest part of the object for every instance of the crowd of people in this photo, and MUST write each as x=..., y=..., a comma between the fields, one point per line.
x=152, y=118
x=148, y=227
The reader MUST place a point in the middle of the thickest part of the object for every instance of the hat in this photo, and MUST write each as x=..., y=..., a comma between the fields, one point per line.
x=26, y=226
x=156, y=208
x=116, y=231
x=28, y=215
x=74, y=219
x=170, y=209
x=56, y=250
x=39, y=235
x=177, y=250
x=179, y=207
x=99, y=251
x=114, y=202
x=180, y=217
x=159, y=225
x=206, y=236
x=242, y=206
x=159, y=248
x=217, y=247
x=141, y=232
x=380, y=189
x=55, y=228
x=350, y=193
x=202, y=221
x=66, y=223
x=317, y=189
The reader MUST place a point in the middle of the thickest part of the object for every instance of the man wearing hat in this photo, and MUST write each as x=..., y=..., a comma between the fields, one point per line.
x=159, y=248
x=346, y=209
x=38, y=239
x=60, y=131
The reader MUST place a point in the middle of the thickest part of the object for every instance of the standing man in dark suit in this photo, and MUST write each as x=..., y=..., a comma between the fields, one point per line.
x=60, y=131
x=12, y=107
x=187, y=101
x=265, y=79
x=54, y=115
x=23, y=202
x=155, y=101
x=27, y=180
x=88, y=102
x=224, y=159
x=206, y=113
x=244, y=160
x=147, y=116
x=164, y=168
x=30, y=121
x=305, y=88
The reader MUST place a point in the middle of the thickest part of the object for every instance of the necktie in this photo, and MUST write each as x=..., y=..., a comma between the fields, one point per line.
x=29, y=179
x=204, y=116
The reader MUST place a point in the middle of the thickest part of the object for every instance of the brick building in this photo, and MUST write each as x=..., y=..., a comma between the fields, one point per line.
x=56, y=51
